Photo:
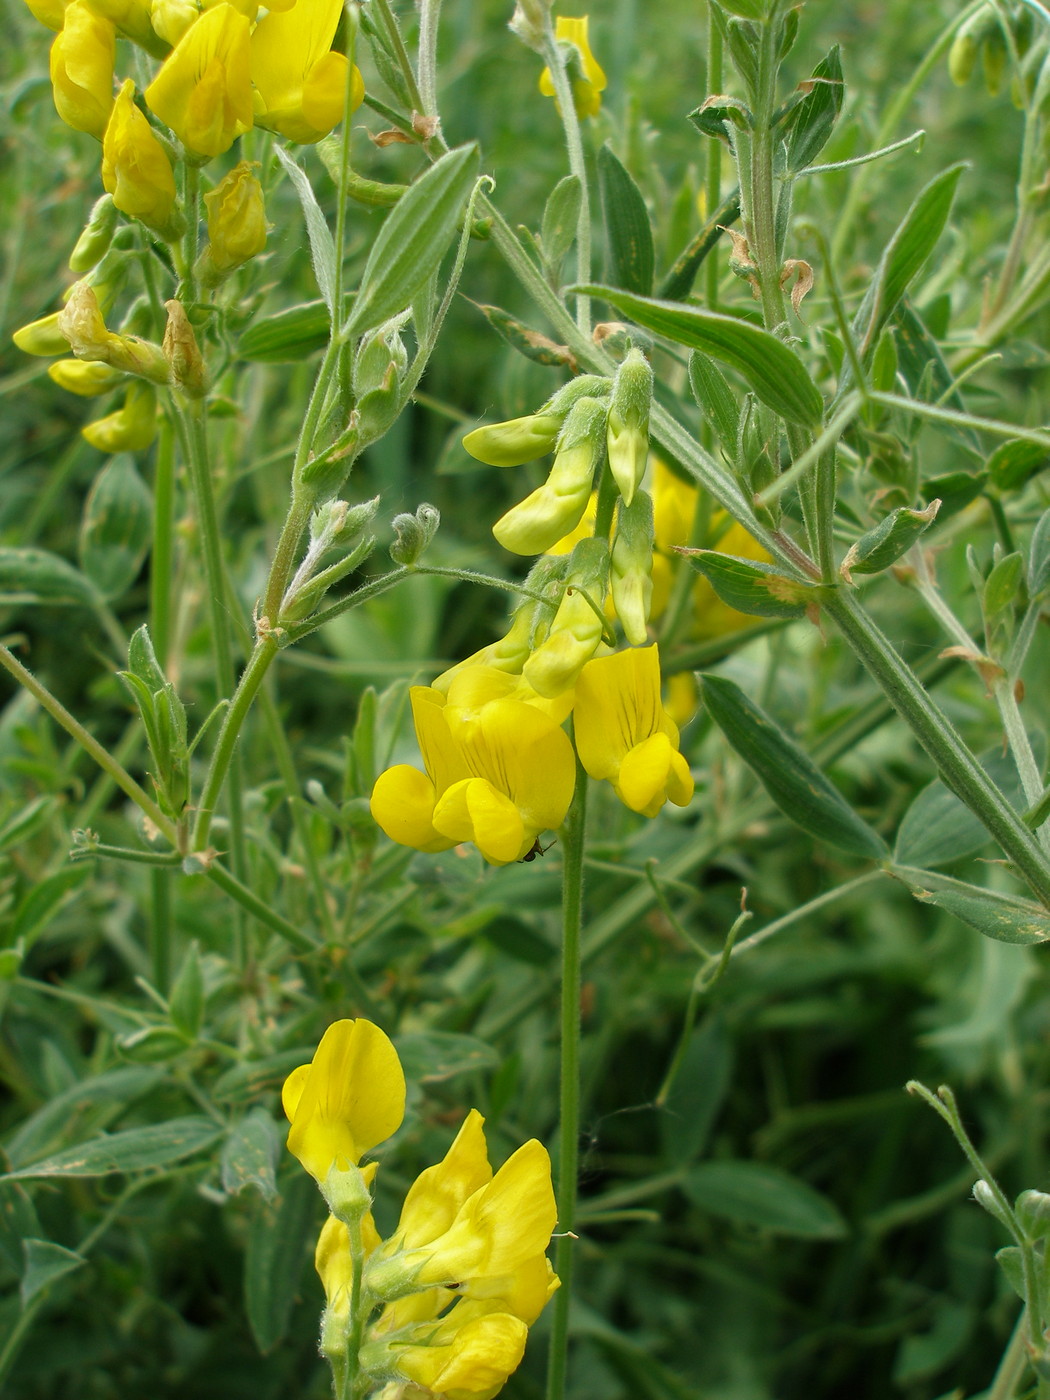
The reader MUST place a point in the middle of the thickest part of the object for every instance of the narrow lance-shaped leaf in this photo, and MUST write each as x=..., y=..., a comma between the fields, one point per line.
x=1004, y=917
x=891, y=537
x=414, y=239
x=38, y=576
x=716, y=399
x=129, y=1151
x=788, y=774
x=322, y=246
x=560, y=217
x=753, y=1193
x=117, y=527
x=760, y=590
x=627, y=230
x=771, y=368
x=810, y=123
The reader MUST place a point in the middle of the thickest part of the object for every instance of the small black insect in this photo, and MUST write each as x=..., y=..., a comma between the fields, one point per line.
x=535, y=850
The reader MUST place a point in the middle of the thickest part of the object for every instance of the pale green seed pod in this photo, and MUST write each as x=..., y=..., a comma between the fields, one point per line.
x=631, y=578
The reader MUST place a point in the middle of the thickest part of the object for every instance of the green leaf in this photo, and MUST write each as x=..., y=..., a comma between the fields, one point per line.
x=1011, y=1261
x=1038, y=560
x=891, y=537
x=519, y=941
x=751, y=1193
x=954, y=490
x=38, y=576
x=912, y=243
x=277, y=1242
x=133, y=1150
x=117, y=527
x=788, y=774
x=414, y=239
x=919, y=361
x=288, y=335
x=760, y=590
x=322, y=246
x=18, y=1222
x=250, y=1155
x=697, y=1092
x=771, y=368
x=811, y=122
x=1004, y=917
x=678, y=281
x=186, y=1003
x=27, y=821
x=45, y=1264
x=716, y=399
x=1002, y=585
x=111, y=1091
x=630, y=259
x=430, y=1056
x=561, y=215
x=43, y=902
x=1013, y=462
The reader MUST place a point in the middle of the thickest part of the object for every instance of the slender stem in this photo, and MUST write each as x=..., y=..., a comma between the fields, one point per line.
x=191, y=197
x=577, y=165
x=88, y=742
x=573, y=837
x=163, y=541
x=429, y=15
x=397, y=46
x=353, y=600
x=160, y=950
x=344, y=179
x=713, y=174
x=284, y=557
x=1013, y=1363
x=359, y=1311
x=259, y=909
x=957, y=766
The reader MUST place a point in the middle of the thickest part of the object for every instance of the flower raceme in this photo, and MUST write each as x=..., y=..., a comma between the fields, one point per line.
x=499, y=770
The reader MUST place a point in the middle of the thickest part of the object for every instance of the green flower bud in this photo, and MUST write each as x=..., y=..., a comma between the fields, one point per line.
x=556, y=507
x=515, y=442
x=631, y=579
x=414, y=533
x=379, y=367
x=994, y=58
x=347, y=1194
x=584, y=386
x=577, y=629
x=962, y=58
x=93, y=243
x=628, y=423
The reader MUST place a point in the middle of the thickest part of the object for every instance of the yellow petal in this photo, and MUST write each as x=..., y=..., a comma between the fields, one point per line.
x=403, y=805
x=438, y=1192
x=204, y=90
x=474, y=1365
x=473, y=810
x=644, y=775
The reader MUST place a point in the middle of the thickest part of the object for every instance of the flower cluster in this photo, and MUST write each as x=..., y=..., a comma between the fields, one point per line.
x=498, y=768
x=445, y=1303
x=222, y=70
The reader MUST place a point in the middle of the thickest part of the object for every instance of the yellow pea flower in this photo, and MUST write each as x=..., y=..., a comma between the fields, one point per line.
x=82, y=323
x=82, y=59
x=49, y=12
x=136, y=170
x=498, y=772
x=587, y=90
x=204, y=90
x=131, y=428
x=88, y=378
x=515, y=442
x=473, y=1365
x=300, y=83
x=438, y=1193
x=132, y=18
x=625, y=736
x=350, y=1097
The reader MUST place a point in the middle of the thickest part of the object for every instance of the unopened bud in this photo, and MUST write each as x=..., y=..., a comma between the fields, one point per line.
x=555, y=508
x=631, y=579
x=529, y=21
x=132, y=428
x=578, y=626
x=182, y=352
x=986, y=1197
x=515, y=442
x=42, y=337
x=88, y=378
x=962, y=58
x=379, y=367
x=347, y=1194
x=628, y=423
x=1033, y=1211
x=584, y=386
x=414, y=533
x=93, y=243
x=236, y=223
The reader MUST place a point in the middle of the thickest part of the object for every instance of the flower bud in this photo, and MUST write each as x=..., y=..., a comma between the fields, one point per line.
x=81, y=322
x=204, y=90
x=182, y=352
x=584, y=386
x=82, y=58
x=414, y=533
x=577, y=629
x=172, y=18
x=236, y=223
x=132, y=19
x=347, y=1193
x=132, y=428
x=515, y=442
x=379, y=367
x=962, y=58
x=1033, y=1211
x=42, y=337
x=529, y=22
x=628, y=423
x=632, y=566
x=88, y=378
x=93, y=244
x=994, y=58
x=135, y=167
x=555, y=508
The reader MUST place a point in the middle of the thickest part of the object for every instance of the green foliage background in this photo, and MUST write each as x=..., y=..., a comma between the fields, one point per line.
x=839, y=1254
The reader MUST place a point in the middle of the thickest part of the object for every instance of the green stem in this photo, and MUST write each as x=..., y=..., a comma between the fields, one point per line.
x=259, y=909
x=225, y=745
x=191, y=198
x=399, y=53
x=90, y=744
x=577, y=165
x=429, y=15
x=1013, y=1363
x=160, y=950
x=284, y=557
x=573, y=838
x=163, y=541
x=955, y=763
x=713, y=174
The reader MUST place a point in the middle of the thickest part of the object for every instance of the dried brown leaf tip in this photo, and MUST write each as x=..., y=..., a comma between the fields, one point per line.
x=799, y=270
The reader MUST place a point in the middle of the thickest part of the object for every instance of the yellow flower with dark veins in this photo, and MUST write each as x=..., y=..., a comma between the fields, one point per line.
x=300, y=82
x=136, y=170
x=82, y=70
x=586, y=90
x=350, y=1097
x=204, y=90
x=498, y=771
x=625, y=736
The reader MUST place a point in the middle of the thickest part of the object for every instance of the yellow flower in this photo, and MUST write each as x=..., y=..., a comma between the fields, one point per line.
x=515, y=442
x=82, y=324
x=88, y=378
x=82, y=70
x=204, y=90
x=625, y=736
x=135, y=167
x=131, y=428
x=48, y=12
x=437, y=1194
x=300, y=83
x=473, y=1365
x=132, y=19
x=587, y=90
x=41, y=337
x=236, y=219
x=498, y=771
x=349, y=1098
x=576, y=631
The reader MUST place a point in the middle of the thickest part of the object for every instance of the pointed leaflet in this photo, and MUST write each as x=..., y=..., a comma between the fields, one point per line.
x=45, y=1263
x=414, y=239
x=322, y=246
x=771, y=368
x=629, y=237
x=561, y=214
x=810, y=123
x=788, y=774
x=752, y=1193
x=760, y=590
x=130, y=1151
x=1004, y=917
